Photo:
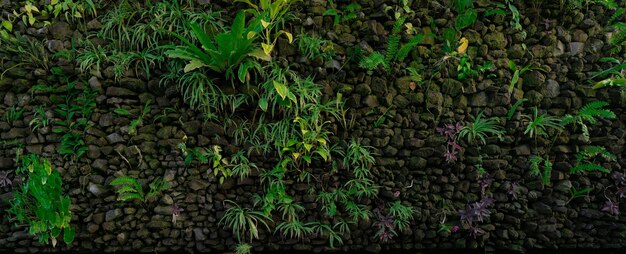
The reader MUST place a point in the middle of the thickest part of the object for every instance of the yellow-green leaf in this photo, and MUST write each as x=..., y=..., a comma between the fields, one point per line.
x=267, y=48
x=463, y=47
x=289, y=36
x=260, y=54
x=251, y=34
x=31, y=20
x=308, y=146
x=281, y=89
x=192, y=65
x=7, y=25
x=53, y=2
x=264, y=23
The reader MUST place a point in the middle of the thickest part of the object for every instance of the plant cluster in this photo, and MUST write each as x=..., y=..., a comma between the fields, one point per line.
x=39, y=201
x=128, y=189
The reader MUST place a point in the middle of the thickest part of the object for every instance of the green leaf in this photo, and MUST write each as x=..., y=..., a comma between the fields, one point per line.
x=281, y=89
x=7, y=25
x=263, y=104
x=68, y=235
x=193, y=64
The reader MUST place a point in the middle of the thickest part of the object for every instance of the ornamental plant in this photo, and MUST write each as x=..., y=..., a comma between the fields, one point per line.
x=39, y=202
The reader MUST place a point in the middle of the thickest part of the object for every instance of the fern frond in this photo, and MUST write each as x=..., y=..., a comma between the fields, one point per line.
x=404, y=51
x=594, y=110
x=392, y=49
x=372, y=61
x=592, y=151
x=126, y=188
x=547, y=172
x=124, y=180
x=130, y=196
x=616, y=15
x=534, y=165
x=397, y=26
x=588, y=167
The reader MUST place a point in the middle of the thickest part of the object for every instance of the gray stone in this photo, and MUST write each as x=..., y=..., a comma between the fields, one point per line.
x=119, y=92
x=113, y=214
x=479, y=100
x=60, y=30
x=100, y=164
x=371, y=101
x=95, y=189
x=55, y=46
x=496, y=40
x=198, y=234
x=576, y=48
x=552, y=89
x=115, y=138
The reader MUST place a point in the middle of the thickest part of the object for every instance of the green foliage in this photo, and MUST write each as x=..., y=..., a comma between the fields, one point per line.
x=588, y=114
x=584, y=159
x=372, y=61
x=402, y=215
x=13, y=115
x=128, y=188
x=226, y=52
x=578, y=193
x=75, y=113
x=538, y=124
x=40, y=203
x=313, y=47
x=241, y=166
x=132, y=128
x=478, y=130
x=203, y=155
x=348, y=12
x=243, y=248
x=536, y=170
x=326, y=230
x=466, y=71
x=467, y=15
x=39, y=120
x=244, y=221
x=509, y=115
x=517, y=72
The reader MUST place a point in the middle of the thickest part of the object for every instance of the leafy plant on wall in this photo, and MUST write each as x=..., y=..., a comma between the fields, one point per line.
x=39, y=202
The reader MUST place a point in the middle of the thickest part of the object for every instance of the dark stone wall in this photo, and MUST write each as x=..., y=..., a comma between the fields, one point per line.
x=409, y=152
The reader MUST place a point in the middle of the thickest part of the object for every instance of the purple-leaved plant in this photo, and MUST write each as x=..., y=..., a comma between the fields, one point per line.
x=450, y=131
x=611, y=207
x=513, y=190
x=176, y=210
x=485, y=181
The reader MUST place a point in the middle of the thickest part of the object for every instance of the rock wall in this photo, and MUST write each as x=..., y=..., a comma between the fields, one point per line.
x=409, y=151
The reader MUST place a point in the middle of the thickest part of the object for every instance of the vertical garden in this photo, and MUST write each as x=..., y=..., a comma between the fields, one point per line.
x=319, y=126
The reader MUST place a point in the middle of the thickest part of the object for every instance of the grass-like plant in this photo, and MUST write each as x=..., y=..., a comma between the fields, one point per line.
x=402, y=215
x=477, y=132
x=13, y=114
x=244, y=221
x=539, y=124
x=243, y=248
x=536, y=169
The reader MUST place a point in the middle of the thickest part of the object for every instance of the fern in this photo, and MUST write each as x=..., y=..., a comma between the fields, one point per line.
x=588, y=114
x=616, y=15
x=129, y=188
x=588, y=167
x=404, y=51
x=394, y=41
x=535, y=170
x=372, y=61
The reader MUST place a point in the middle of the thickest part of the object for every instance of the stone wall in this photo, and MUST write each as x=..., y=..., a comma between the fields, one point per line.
x=409, y=152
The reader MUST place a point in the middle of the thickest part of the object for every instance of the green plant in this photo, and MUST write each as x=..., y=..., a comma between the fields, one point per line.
x=402, y=215
x=535, y=170
x=538, y=124
x=39, y=120
x=128, y=188
x=13, y=115
x=588, y=114
x=242, y=167
x=480, y=129
x=313, y=47
x=40, y=203
x=243, y=248
x=465, y=69
x=466, y=14
x=228, y=52
x=511, y=112
x=585, y=156
x=578, y=193
x=517, y=72
x=394, y=50
x=348, y=12
x=132, y=128
x=325, y=229
x=76, y=104
x=244, y=221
